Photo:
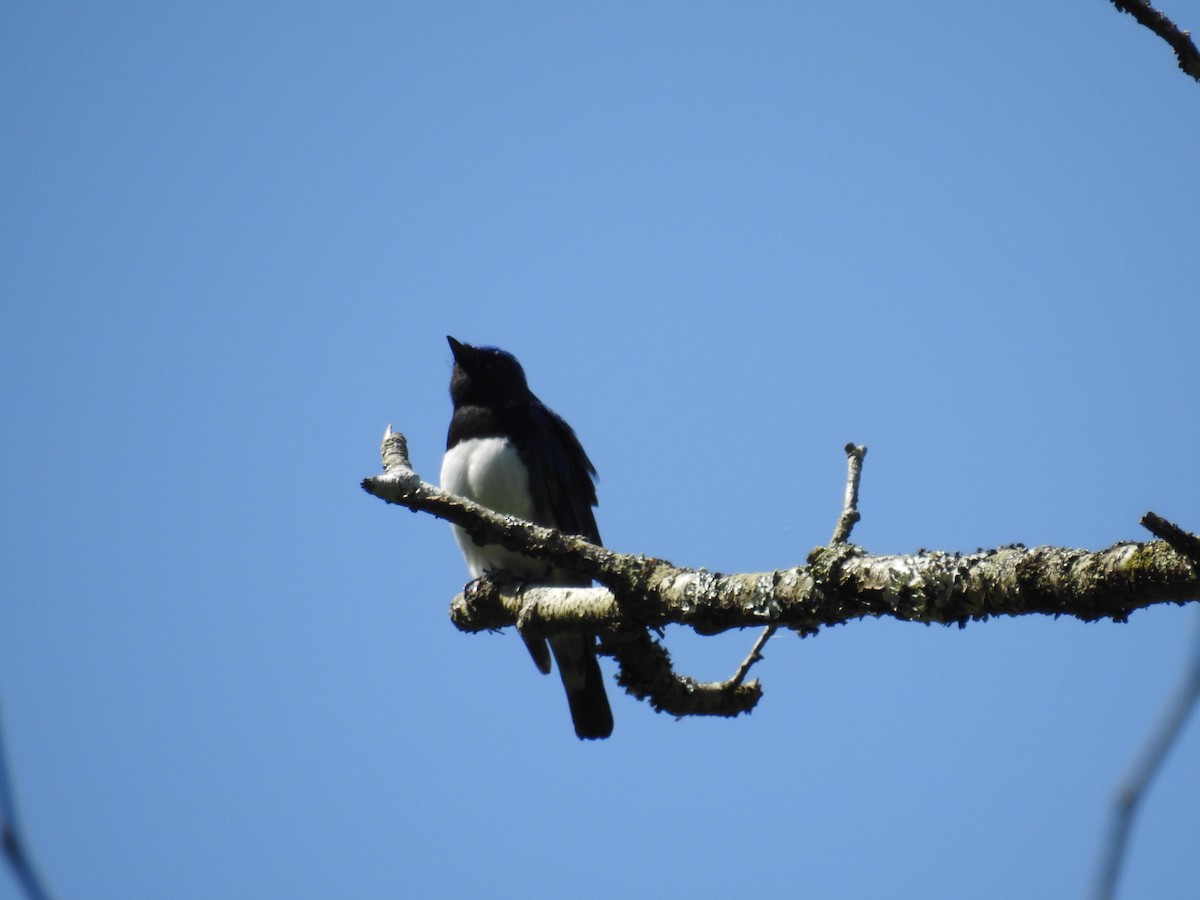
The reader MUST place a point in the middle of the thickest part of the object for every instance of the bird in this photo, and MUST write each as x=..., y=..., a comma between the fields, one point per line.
x=508, y=451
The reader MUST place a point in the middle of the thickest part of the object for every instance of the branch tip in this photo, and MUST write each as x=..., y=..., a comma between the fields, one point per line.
x=1182, y=542
x=1186, y=54
x=850, y=515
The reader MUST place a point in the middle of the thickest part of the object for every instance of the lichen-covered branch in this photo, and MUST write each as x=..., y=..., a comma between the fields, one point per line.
x=644, y=664
x=645, y=671
x=836, y=584
x=839, y=584
x=1185, y=544
x=1180, y=41
x=401, y=485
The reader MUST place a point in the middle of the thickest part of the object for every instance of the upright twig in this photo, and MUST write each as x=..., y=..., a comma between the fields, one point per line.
x=841, y=534
x=755, y=655
x=849, y=517
x=18, y=857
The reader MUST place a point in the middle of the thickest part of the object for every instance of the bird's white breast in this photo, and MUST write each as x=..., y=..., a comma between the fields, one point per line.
x=490, y=472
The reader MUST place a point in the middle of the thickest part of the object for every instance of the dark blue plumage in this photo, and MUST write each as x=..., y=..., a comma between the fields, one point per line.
x=508, y=451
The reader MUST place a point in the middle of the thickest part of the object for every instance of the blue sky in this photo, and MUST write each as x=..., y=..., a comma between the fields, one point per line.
x=724, y=240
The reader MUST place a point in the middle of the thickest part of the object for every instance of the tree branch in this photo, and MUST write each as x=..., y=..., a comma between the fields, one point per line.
x=838, y=583
x=1185, y=544
x=1133, y=789
x=18, y=857
x=1180, y=41
x=489, y=603
x=645, y=671
x=1162, y=738
x=841, y=535
x=402, y=486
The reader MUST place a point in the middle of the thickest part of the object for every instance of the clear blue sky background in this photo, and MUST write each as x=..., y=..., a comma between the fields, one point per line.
x=725, y=239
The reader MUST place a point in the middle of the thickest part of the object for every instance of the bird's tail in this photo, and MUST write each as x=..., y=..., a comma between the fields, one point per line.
x=540, y=653
x=580, y=671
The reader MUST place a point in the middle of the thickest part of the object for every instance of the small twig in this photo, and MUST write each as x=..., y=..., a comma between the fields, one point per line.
x=841, y=534
x=850, y=516
x=10, y=834
x=1183, y=543
x=755, y=655
x=1181, y=41
x=1136, y=783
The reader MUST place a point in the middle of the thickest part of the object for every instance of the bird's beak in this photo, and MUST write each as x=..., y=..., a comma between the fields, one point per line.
x=457, y=348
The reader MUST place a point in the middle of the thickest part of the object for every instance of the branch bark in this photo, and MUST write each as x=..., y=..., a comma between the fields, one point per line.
x=838, y=583
x=1180, y=41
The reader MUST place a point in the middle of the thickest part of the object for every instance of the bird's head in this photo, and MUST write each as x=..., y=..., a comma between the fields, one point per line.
x=485, y=375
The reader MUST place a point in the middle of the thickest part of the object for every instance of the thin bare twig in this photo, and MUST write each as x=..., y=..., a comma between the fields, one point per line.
x=18, y=857
x=841, y=534
x=755, y=655
x=1180, y=40
x=1133, y=789
x=849, y=517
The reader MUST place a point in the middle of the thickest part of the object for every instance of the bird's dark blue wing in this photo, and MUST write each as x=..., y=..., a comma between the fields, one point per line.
x=560, y=474
x=564, y=493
